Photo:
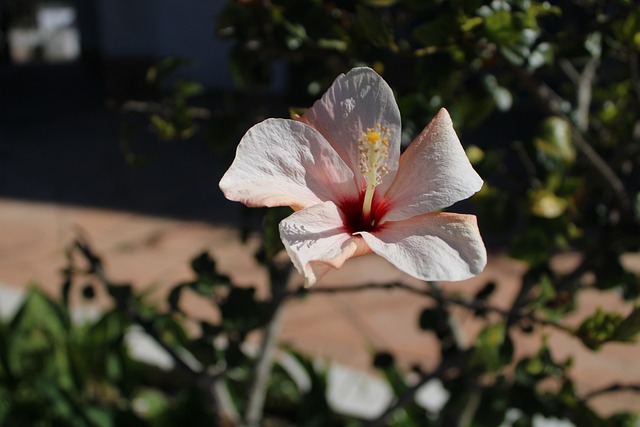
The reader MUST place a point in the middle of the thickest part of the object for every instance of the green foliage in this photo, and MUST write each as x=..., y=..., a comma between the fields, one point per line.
x=494, y=349
x=545, y=97
x=58, y=373
x=64, y=372
x=603, y=327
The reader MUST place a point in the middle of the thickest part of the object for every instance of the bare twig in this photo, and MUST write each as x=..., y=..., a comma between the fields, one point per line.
x=97, y=269
x=208, y=380
x=147, y=107
x=584, y=85
x=611, y=389
x=258, y=388
x=262, y=370
x=634, y=72
x=440, y=298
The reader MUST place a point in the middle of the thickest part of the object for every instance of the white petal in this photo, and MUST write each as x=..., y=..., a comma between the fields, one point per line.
x=439, y=246
x=356, y=101
x=286, y=163
x=316, y=241
x=434, y=172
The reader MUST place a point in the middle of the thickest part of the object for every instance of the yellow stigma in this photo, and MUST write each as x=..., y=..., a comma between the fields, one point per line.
x=372, y=137
x=374, y=152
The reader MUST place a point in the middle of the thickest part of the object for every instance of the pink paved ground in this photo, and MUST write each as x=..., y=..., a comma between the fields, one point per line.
x=155, y=252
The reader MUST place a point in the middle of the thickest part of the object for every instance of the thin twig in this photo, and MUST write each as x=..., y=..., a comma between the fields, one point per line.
x=147, y=107
x=258, y=388
x=611, y=389
x=460, y=301
x=584, y=88
x=209, y=381
x=262, y=371
x=634, y=72
x=97, y=269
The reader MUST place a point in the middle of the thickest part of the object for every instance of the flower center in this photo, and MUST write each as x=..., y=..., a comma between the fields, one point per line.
x=374, y=152
x=354, y=221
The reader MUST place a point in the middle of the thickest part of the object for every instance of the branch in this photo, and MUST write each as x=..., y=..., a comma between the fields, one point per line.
x=262, y=371
x=634, y=73
x=96, y=268
x=209, y=381
x=552, y=103
x=611, y=389
x=584, y=86
x=259, y=385
x=438, y=297
x=147, y=107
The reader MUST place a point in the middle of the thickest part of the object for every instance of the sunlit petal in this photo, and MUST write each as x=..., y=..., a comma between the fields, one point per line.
x=316, y=241
x=286, y=163
x=434, y=173
x=439, y=246
x=356, y=101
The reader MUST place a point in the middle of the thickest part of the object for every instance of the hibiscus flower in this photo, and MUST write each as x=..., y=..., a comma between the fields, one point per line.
x=339, y=167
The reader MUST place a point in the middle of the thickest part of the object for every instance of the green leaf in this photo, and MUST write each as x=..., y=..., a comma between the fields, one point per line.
x=437, y=31
x=162, y=127
x=599, y=328
x=383, y=360
x=171, y=330
x=150, y=403
x=157, y=73
x=379, y=3
x=411, y=415
x=547, y=291
x=203, y=350
x=531, y=370
x=470, y=23
x=38, y=311
x=486, y=291
x=629, y=328
x=555, y=145
x=99, y=416
x=500, y=28
x=207, y=275
x=494, y=348
x=373, y=28
x=271, y=232
x=501, y=95
x=173, y=299
x=185, y=89
x=121, y=294
x=593, y=44
x=545, y=204
x=474, y=153
x=333, y=44
x=543, y=54
x=107, y=331
x=241, y=311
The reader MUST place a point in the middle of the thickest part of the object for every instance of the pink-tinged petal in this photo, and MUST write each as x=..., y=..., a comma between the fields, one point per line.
x=286, y=163
x=359, y=100
x=316, y=241
x=437, y=246
x=434, y=173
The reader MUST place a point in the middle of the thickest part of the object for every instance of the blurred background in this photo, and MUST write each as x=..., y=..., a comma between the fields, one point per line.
x=118, y=119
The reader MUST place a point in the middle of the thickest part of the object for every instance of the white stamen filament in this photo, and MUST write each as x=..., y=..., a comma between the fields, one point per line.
x=374, y=151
